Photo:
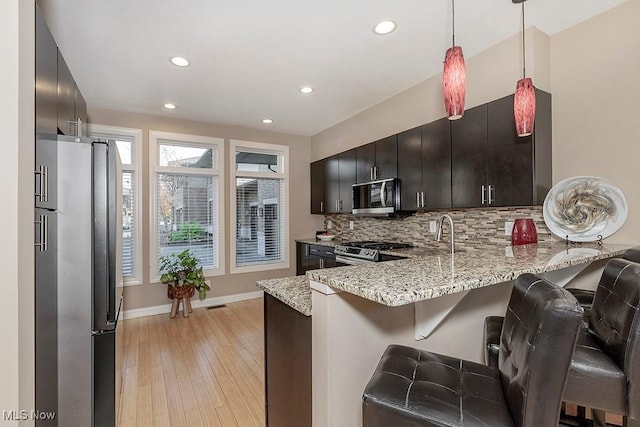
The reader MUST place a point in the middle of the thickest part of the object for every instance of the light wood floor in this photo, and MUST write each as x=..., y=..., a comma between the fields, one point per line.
x=206, y=370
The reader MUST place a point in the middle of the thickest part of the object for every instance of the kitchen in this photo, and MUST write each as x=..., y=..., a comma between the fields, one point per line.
x=569, y=64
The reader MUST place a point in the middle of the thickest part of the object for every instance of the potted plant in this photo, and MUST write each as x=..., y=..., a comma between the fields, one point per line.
x=183, y=277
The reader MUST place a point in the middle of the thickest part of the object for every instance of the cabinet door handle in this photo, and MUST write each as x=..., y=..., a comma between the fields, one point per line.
x=375, y=172
x=340, y=206
x=370, y=173
x=422, y=198
x=321, y=262
x=491, y=200
x=484, y=200
x=418, y=200
x=321, y=207
x=43, y=233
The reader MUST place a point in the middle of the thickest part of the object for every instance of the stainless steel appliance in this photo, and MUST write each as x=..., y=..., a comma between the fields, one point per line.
x=377, y=198
x=89, y=284
x=368, y=251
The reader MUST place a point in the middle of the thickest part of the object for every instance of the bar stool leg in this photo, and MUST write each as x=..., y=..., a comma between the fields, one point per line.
x=175, y=305
x=188, y=300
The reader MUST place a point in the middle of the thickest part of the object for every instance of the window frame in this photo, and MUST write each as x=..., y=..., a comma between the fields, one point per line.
x=283, y=162
x=114, y=132
x=157, y=138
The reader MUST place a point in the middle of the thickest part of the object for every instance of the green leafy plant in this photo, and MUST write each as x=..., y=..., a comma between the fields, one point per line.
x=182, y=270
x=187, y=232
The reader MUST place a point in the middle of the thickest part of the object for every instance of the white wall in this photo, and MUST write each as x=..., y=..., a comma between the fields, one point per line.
x=491, y=74
x=302, y=224
x=595, y=67
x=16, y=174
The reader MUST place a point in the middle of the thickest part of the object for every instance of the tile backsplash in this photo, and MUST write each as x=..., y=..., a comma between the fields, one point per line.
x=473, y=227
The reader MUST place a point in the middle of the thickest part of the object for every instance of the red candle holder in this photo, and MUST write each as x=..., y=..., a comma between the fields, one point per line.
x=524, y=232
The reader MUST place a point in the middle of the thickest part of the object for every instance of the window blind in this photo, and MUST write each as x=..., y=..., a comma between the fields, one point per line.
x=128, y=223
x=187, y=208
x=260, y=205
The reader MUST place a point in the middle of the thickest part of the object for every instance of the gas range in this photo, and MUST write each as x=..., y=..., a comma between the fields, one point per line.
x=367, y=251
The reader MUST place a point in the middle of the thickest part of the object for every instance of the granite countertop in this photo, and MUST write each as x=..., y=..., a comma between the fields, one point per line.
x=293, y=291
x=395, y=283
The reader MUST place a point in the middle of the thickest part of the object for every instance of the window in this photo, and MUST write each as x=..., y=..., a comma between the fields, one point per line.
x=260, y=191
x=129, y=143
x=186, y=199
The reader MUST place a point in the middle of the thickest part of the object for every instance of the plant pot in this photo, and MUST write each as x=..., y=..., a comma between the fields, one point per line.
x=178, y=292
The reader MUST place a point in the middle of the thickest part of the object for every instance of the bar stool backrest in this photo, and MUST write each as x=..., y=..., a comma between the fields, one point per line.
x=615, y=323
x=536, y=346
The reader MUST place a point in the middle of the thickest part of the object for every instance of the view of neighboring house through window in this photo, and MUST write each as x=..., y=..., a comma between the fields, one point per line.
x=186, y=184
x=129, y=144
x=260, y=226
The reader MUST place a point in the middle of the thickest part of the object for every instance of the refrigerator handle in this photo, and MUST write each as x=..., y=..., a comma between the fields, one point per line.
x=104, y=220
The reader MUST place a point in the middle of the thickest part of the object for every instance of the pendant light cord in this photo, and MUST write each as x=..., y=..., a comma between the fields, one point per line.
x=453, y=21
x=524, y=55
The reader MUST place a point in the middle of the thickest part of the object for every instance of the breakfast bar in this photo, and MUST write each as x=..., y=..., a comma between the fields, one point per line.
x=431, y=302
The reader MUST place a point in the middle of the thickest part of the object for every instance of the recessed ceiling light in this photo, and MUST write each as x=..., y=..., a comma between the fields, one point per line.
x=267, y=121
x=384, y=27
x=179, y=61
x=306, y=89
x=170, y=106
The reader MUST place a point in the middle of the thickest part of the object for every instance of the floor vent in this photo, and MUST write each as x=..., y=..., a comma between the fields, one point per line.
x=211, y=307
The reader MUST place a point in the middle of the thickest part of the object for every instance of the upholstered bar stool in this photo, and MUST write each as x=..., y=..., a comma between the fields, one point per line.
x=412, y=388
x=585, y=296
x=605, y=371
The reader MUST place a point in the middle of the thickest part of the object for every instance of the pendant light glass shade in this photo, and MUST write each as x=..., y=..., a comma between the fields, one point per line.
x=524, y=106
x=454, y=82
x=524, y=101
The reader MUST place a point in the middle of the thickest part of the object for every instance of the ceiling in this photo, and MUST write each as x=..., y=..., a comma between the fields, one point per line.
x=250, y=57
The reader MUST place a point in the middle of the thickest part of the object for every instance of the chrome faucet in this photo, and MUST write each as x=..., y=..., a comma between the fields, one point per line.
x=439, y=231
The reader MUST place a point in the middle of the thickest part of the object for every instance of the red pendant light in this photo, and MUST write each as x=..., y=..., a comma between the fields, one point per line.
x=524, y=101
x=454, y=77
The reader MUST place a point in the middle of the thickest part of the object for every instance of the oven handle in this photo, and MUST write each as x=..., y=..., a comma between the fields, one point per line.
x=352, y=261
x=383, y=194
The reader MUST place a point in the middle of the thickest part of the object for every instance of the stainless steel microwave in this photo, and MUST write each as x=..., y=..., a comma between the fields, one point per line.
x=377, y=198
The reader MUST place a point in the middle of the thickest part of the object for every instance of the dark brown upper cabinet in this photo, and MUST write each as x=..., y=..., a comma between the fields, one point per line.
x=377, y=160
x=519, y=169
x=339, y=177
x=317, y=187
x=424, y=166
x=469, y=158
x=72, y=108
x=66, y=98
x=46, y=96
x=472, y=162
x=491, y=165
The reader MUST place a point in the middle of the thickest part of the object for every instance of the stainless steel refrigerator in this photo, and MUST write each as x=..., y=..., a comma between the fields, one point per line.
x=89, y=279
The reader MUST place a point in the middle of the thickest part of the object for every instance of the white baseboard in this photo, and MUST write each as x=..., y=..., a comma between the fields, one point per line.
x=195, y=303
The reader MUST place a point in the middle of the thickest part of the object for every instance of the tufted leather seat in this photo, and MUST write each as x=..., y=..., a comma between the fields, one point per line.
x=411, y=387
x=585, y=296
x=605, y=372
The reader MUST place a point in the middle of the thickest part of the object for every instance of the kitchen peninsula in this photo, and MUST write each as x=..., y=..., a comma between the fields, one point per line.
x=433, y=302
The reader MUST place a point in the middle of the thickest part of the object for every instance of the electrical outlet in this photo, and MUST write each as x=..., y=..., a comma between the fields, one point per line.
x=433, y=226
x=350, y=225
x=508, y=227
x=329, y=225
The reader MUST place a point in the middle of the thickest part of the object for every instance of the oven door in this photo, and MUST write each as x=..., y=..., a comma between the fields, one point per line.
x=340, y=259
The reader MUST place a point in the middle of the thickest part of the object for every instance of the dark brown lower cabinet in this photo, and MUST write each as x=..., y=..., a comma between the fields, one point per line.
x=287, y=345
